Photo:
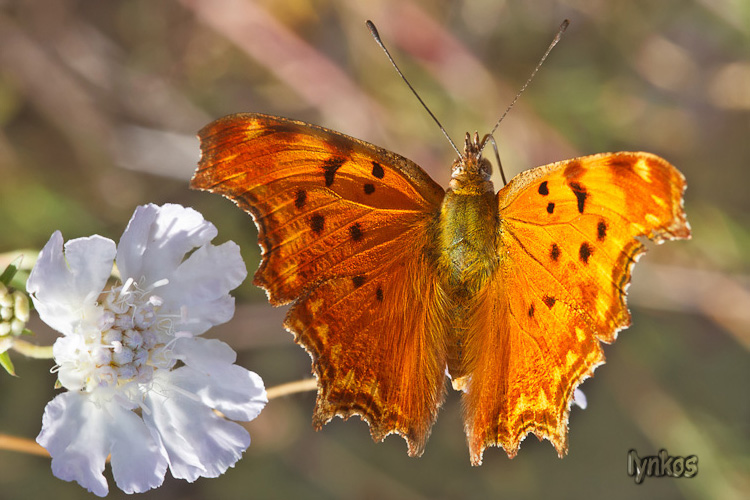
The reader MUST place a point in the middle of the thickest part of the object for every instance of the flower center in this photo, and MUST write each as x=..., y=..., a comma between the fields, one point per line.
x=129, y=342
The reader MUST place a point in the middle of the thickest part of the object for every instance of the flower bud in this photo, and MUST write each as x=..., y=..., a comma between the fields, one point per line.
x=6, y=300
x=21, y=305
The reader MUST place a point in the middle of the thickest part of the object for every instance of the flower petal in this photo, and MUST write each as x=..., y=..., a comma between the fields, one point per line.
x=70, y=355
x=138, y=461
x=209, y=274
x=158, y=238
x=65, y=283
x=200, y=317
x=211, y=375
x=198, y=442
x=579, y=398
x=73, y=433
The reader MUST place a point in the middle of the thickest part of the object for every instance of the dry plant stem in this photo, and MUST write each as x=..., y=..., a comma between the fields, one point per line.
x=308, y=384
x=32, y=350
x=22, y=445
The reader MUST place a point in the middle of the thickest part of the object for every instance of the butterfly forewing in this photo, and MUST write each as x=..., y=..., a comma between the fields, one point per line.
x=345, y=228
x=311, y=192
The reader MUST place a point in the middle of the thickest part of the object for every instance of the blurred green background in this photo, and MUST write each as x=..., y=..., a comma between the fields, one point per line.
x=100, y=103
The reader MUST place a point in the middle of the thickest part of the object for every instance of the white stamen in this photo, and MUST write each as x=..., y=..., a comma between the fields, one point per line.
x=161, y=282
x=126, y=286
x=184, y=392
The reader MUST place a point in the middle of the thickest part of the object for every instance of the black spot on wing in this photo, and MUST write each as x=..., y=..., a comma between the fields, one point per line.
x=554, y=253
x=379, y=294
x=369, y=188
x=358, y=281
x=601, y=230
x=550, y=208
x=377, y=170
x=585, y=251
x=549, y=301
x=355, y=231
x=581, y=195
x=330, y=166
x=299, y=201
x=317, y=222
x=543, y=190
x=531, y=311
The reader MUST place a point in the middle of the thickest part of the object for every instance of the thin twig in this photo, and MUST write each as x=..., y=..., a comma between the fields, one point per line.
x=23, y=445
x=308, y=384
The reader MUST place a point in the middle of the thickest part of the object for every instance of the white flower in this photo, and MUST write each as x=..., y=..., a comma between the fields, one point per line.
x=579, y=398
x=142, y=386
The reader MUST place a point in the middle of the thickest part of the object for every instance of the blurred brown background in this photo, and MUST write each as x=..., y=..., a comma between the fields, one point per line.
x=100, y=103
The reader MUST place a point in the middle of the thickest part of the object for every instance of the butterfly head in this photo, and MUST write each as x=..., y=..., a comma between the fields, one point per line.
x=471, y=172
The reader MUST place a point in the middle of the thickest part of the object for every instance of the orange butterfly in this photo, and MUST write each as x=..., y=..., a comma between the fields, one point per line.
x=396, y=283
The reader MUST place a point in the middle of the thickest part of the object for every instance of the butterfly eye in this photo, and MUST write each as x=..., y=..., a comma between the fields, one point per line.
x=485, y=168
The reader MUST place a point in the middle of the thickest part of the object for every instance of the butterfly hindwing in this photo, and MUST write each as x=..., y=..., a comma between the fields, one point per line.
x=345, y=230
x=568, y=235
x=373, y=355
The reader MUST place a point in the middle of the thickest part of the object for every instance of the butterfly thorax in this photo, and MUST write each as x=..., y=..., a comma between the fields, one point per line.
x=468, y=221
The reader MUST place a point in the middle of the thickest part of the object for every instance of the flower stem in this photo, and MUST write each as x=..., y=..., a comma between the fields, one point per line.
x=21, y=444
x=30, y=447
x=32, y=350
x=308, y=384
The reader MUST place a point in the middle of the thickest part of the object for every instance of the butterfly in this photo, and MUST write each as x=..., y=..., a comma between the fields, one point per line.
x=397, y=285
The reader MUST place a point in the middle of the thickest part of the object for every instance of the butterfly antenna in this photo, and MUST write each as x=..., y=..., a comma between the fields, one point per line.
x=491, y=139
x=557, y=38
x=376, y=36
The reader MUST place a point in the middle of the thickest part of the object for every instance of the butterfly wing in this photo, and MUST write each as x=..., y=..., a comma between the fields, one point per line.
x=344, y=228
x=569, y=234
